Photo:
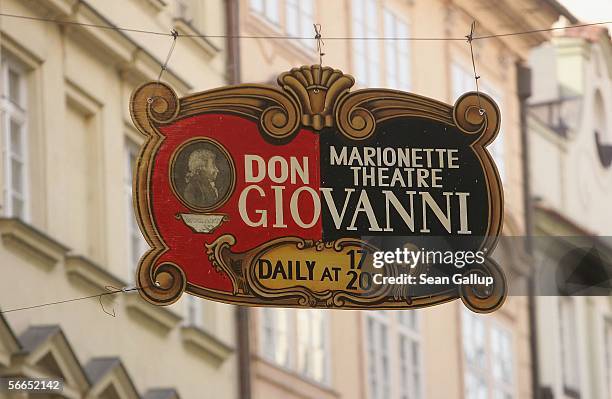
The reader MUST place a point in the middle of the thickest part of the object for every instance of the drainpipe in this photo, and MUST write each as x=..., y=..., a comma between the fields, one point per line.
x=524, y=92
x=232, y=72
x=232, y=58
x=244, y=352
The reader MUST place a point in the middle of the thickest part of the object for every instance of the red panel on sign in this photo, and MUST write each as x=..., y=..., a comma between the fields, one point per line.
x=240, y=137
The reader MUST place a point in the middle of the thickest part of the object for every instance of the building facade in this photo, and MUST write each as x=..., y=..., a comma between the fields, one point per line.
x=441, y=352
x=69, y=147
x=571, y=155
x=67, y=226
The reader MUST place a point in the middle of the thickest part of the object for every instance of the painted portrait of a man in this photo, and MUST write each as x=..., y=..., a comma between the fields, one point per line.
x=200, y=179
x=202, y=174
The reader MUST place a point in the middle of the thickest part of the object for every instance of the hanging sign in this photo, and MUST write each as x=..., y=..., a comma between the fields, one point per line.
x=312, y=195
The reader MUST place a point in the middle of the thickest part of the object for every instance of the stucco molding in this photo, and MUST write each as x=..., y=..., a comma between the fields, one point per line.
x=104, y=372
x=290, y=381
x=9, y=344
x=296, y=51
x=543, y=130
x=117, y=47
x=165, y=318
x=185, y=28
x=25, y=240
x=210, y=345
x=159, y=5
x=46, y=351
x=84, y=269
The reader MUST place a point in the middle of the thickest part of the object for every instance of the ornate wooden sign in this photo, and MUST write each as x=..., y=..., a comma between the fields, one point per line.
x=309, y=195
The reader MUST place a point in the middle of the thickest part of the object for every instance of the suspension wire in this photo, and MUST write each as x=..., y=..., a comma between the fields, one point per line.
x=285, y=37
x=470, y=39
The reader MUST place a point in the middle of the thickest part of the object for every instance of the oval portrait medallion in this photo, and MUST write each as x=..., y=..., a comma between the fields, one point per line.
x=202, y=174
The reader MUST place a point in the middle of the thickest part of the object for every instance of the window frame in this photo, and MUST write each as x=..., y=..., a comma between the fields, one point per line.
x=324, y=344
x=608, y=353
x=480, y=371
x=568, y=388
x=9, y=112
x=194, y=316
x=392, y=49
x=273, y=357
x=505, y=387
x=413, y=334
x=485, y=372
x=282, y=10
x=263, y=13
x=390, y=383
x=383, y=319
x=304, y=24
x=370, y=59
x=293, y=339
x=131, y=148
x=365, y=52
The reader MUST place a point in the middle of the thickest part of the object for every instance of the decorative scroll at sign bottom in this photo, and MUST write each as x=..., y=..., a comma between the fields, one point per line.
x=288, y=196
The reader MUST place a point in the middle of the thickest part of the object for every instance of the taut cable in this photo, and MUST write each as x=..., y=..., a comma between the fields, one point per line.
x=281, y=37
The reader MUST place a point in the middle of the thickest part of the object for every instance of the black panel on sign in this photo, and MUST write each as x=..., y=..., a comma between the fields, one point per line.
x=435, y=142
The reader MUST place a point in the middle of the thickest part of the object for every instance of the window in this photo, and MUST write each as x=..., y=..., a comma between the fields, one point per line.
x=312, y=344
x=393, y=343
x=410, y=355
x=136, y=242
x=366, y=53
x=501, y=358
x=298, y=17
x=608, y=338
x=396, y=71
x=378, y=356
x=193, y=311
x=475, y=356
x=397, y=53
x=269, y=9
x=462, y=82
x=13, y=108
x=488, y=356
x=275, y=336
x=569, y=349
x=297, y=340
x=603, y=136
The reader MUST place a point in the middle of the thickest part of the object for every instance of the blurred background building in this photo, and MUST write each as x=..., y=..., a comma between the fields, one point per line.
x=379, y=355
x=571, y=175
x=68, y=230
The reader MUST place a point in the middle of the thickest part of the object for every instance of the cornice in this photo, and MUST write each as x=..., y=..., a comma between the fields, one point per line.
x=185, y=28
x=84, y=269
x=502, y=16
x=27, y=240
x=157, y=4
x=294, y=51
x=289, y=380
x=165, y=318
x=543, y=130
x=205, y=342
x=112, y=46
